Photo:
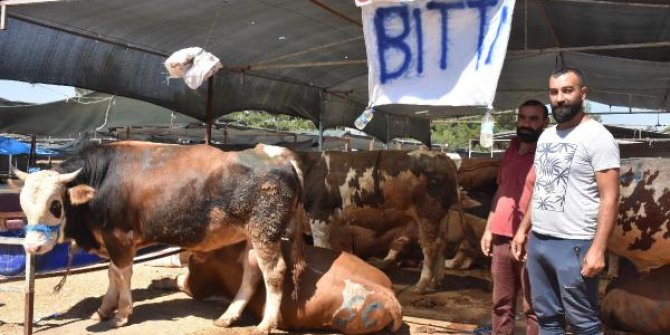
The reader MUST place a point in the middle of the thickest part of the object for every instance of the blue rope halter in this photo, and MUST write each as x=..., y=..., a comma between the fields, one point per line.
x=43, y=228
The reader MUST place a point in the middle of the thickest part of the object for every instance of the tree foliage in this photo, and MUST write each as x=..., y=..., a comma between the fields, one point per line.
x=259, y=119
x=457, y=133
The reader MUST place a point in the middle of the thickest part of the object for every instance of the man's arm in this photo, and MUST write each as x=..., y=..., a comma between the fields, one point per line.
x=519, y=240
x=608, y=186
x=488, y=236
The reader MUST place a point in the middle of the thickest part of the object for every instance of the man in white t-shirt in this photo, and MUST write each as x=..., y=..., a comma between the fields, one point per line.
x=573, y=211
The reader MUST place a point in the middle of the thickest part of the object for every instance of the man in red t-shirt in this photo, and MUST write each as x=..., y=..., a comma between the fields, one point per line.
x=516, y=177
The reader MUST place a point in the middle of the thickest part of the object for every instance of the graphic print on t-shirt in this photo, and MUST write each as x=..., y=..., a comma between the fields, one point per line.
x=552, y=168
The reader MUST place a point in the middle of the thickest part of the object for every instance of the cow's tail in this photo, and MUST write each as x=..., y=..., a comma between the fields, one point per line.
x=298, y=262
x=298, y=249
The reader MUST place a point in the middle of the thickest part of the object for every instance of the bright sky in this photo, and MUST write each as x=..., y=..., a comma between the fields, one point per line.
x=42, y=93
x=34, y=93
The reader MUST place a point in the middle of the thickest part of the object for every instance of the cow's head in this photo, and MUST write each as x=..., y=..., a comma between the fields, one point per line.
x=43, y=202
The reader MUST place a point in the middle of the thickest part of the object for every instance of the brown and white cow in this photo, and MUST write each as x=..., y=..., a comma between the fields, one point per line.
x=638, y=299
x=373, y=188
x=642, y=230
x=115, y=198
x=338, y=291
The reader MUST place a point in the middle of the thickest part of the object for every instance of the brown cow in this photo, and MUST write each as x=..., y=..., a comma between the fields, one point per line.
x=115, y=198
x=338, y=291
x=638, y=303
x=477, y=179
x=373, y=187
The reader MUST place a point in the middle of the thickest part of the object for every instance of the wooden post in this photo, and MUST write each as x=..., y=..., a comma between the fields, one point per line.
x=29, y=295
x=208, y=115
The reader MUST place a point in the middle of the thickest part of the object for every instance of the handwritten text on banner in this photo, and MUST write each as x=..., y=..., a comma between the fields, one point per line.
x=435, y=52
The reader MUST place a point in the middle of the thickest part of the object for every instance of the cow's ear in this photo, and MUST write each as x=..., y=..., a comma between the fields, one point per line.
x=16, y=184
x=81, y=194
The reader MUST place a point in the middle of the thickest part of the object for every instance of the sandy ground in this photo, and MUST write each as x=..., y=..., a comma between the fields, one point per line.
x=461, y=306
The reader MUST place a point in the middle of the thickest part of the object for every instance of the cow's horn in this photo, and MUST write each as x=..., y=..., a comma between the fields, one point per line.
x=68, y=177
x=19, y=174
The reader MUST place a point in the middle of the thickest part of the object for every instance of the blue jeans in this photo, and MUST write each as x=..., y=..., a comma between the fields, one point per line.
x=558, y=291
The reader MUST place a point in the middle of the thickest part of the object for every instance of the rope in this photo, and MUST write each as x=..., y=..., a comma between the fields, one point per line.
x=110, y=102
x=211, y=27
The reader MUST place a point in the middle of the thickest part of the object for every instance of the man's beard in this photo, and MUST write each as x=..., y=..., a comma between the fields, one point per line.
x=566, y=112
x=528, y=135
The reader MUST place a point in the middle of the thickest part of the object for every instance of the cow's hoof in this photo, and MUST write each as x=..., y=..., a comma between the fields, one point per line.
x=262, y=330
x=224, y=321
x=423, y=289
x=419, y=289
x=451, y=263
x=100, y=316
x=382, y=264
x=118, y=322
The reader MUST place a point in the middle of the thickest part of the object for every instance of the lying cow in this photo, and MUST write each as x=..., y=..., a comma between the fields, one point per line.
x=113, y=199
x=377, y=187
x=338, y=291
x=638, y=303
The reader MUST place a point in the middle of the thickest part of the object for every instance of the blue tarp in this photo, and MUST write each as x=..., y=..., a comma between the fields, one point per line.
x=10, y=146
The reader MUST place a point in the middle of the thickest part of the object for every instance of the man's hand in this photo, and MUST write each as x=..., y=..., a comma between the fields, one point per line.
x=594, y=262
x=486, y=243
x=518, y=246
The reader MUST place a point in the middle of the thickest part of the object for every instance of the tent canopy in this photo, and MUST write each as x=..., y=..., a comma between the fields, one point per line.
x=92, y=111
x=306, y=58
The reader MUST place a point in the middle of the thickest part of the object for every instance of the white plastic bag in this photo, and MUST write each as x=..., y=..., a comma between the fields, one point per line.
x=204, y=66
x=195, y=65
x=181, y=61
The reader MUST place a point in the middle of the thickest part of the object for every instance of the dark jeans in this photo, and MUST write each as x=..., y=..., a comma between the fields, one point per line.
x=559, y=292
x=509, y=277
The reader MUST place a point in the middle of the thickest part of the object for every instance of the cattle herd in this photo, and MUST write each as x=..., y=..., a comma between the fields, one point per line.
x=244, y=216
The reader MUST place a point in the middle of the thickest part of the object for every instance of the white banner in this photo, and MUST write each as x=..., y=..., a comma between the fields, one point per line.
x=441, y=53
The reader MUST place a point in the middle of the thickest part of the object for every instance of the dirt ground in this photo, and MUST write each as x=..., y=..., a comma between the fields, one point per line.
x=462, y=306
x=464, y=301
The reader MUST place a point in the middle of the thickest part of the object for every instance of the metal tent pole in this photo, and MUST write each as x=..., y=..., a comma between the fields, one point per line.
x=386, y=143
x=320, y=135
x=208, y=115
x=32, y=158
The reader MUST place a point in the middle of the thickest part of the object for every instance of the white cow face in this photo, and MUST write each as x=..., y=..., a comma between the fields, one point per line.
x=42, y=201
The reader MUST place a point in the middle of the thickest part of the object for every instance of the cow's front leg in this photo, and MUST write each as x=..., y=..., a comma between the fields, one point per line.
x=398, y=245
x=273, y=267
x=125, y=306
x=251, y=276
x=432, y=248
x=119, y=245
x=110, y=300
x=118, y=296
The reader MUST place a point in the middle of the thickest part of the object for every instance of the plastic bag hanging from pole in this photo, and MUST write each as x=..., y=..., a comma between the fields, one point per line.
x=486, y=129
x=195, y=65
